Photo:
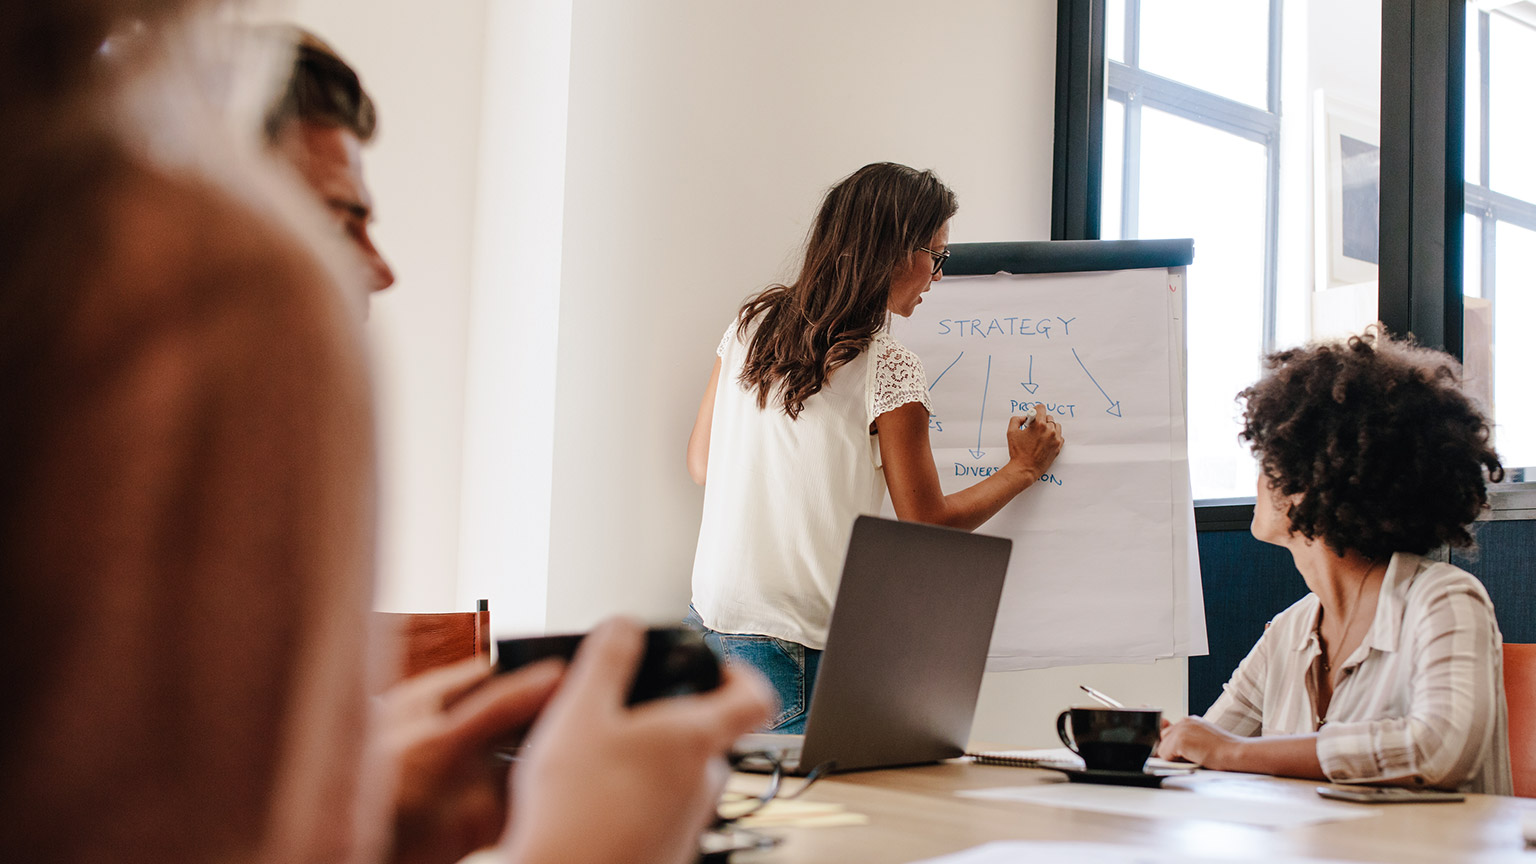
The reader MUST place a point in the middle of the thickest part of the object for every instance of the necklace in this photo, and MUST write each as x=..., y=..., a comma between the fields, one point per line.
x=1354, y=613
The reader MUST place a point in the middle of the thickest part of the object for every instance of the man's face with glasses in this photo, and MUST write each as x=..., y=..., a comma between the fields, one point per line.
x=924, y=267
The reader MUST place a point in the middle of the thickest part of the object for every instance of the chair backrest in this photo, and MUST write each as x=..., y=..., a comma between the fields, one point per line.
x=431, y=639
x=1520, y=693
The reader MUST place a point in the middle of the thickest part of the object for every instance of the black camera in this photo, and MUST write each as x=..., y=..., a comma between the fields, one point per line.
x=676, y=660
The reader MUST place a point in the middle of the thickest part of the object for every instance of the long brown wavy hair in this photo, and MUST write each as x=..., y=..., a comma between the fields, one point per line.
x=868, y=226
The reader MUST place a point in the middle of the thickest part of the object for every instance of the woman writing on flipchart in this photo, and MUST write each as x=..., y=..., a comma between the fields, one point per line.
x=812, y=411
x=1389, y=670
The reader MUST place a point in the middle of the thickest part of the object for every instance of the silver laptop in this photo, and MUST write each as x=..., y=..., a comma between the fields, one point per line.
x=905, y=652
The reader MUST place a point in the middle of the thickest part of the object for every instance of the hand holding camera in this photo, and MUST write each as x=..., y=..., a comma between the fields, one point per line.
x=653, y=755
x=675, y=661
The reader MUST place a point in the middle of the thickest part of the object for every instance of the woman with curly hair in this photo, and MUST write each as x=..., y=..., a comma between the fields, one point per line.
x=1390, y=670
x=812, y=411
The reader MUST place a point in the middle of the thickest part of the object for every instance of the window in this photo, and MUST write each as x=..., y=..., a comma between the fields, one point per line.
x=1258, y=129
x=1253, y=127
x=1500, y=242
x=1192, y=149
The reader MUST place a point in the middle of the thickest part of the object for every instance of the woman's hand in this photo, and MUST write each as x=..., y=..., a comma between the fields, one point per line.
x=602, y=781
x=1194, y=740
x=1211, y=746
x=913, y=479
x=441, y=728
x=1034, y=447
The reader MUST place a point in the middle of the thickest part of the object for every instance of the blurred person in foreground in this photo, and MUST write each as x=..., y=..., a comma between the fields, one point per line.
x=186, y=526
x=1390, y=669
x=441, y=729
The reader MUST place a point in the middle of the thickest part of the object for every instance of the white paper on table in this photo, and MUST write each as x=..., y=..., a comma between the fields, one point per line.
x=1015, y=852
x=1267, y=812
x=1104, y=569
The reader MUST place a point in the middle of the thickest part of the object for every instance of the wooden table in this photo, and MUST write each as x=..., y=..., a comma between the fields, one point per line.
x=914, y=814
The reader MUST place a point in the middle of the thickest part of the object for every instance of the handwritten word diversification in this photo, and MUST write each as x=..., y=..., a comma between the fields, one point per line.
x=964, y=470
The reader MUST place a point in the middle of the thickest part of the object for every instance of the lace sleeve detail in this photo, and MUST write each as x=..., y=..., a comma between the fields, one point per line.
x=897, y=377
x=730, y=334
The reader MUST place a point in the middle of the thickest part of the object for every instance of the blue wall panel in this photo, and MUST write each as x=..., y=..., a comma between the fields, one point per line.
x=1506, y=562
x=1248, y=582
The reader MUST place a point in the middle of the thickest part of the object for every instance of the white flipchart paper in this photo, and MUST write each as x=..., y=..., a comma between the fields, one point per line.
x=1104, y=566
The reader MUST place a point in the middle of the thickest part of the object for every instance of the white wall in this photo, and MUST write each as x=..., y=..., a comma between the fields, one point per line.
x=422, y=63
x=515, y=304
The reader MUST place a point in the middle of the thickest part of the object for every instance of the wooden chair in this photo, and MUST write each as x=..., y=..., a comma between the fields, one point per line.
x=1520, y=693
x=433, y=639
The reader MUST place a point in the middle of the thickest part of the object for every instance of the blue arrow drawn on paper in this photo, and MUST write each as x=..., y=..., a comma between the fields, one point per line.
x=1114, y=407
x=978, y=452
x=1030, y=385
x=946, y=370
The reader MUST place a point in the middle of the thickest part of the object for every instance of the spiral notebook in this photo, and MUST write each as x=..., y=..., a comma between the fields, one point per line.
x=1056, y=757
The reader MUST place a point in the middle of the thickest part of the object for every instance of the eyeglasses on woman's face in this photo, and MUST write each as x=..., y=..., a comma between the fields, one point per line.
x=938, y=258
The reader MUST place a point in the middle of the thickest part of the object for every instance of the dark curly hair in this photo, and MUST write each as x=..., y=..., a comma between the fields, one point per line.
x=1378, y=441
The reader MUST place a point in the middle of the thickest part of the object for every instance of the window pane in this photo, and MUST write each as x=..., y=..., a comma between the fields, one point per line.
x=1329, y=171
x=1514, y=351
x=1477, y=321
x=1113, y=170
x=1472, y=256
x=1210, y=185
x=1221, y=46
x=1114, y=30
x=1474, y=101
x=1511, y=122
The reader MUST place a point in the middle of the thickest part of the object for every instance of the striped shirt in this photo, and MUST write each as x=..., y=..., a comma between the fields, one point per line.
x=1420, y=701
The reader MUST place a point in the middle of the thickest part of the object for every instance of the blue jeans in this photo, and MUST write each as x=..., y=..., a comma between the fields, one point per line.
x=789, y=667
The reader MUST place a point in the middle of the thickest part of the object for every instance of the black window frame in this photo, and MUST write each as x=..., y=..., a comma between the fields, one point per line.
x=1423, y=190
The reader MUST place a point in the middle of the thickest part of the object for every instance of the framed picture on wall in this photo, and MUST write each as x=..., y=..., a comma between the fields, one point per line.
x=1347, y=197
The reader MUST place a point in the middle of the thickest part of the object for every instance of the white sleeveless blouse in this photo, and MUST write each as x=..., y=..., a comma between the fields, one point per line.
x=781, y=495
